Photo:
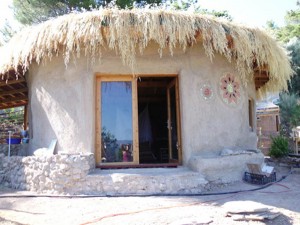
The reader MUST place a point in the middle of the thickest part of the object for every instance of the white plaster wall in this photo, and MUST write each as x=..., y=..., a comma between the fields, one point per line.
x=62, y=101
x=61, y=107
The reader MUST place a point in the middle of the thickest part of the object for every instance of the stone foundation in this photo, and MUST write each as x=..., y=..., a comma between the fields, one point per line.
x=147, y=181
x=226, y=168
x=75, y=174
x=46, y=174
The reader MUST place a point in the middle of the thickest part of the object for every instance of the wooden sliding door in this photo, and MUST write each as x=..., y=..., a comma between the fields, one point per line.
x=137, y=120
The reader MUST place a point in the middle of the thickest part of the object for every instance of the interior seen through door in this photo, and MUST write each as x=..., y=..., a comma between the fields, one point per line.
x=157, y=122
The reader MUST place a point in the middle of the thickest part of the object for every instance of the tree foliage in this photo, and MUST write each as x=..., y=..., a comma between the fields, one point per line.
x=28, y=12
x=110, y=145
x=293, y=46
x=289, y=112
x=35, y=11
x=7, y=31
x=292, y=27
x=279, y=147
x=290, y=35
x=193, y=5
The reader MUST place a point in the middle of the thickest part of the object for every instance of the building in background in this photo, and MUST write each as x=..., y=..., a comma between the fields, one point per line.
x=268, y=124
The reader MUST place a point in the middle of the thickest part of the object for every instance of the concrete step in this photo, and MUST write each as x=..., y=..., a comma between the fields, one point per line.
x=145, y=181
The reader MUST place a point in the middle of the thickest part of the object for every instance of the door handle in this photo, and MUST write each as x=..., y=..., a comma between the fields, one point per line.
x=169, y=125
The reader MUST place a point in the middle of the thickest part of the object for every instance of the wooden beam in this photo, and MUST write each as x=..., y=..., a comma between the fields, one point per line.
x=148, y=165
x=261, y=80
x=7, y=106
x=261, y=74
x=151, y=99
x=264, y=68
x=229, y=41
x=4, y=82
x=12, y=99
x=15, y=91
x=258, y=85
x=151, y=84
x=25, y=117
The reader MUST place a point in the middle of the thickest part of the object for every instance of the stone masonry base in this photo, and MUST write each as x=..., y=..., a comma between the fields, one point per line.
x=76, y=174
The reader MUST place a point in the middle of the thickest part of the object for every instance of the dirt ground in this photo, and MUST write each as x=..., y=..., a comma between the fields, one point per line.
x=282, y=197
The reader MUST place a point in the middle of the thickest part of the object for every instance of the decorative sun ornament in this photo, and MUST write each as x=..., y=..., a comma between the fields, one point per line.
x=230, y=89
x=206, y=92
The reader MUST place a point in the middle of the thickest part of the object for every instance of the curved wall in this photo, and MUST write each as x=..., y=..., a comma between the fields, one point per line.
x=62, y=101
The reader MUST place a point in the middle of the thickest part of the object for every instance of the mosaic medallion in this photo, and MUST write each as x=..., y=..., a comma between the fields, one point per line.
x=230, y=89
x=206, y=92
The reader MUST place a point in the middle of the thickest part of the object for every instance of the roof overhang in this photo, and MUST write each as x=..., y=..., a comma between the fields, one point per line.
x=13, y=92
x=257, y=57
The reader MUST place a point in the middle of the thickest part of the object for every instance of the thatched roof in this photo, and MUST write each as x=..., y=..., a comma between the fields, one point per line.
x=253, y=52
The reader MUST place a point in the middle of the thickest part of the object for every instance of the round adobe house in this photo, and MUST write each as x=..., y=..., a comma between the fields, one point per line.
x=144, y=87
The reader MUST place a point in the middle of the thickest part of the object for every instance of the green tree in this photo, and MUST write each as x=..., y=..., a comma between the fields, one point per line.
x=109, y=146
x=7, y=31
x=29, y=12
x=292, y=28
x=195, y=7
x=290, y=35
x=293, y=46
x=35, y=11
x=289, y=112
x=14, y=115
x=279, y=147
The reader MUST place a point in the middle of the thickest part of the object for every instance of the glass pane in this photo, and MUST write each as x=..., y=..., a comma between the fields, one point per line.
x=116, y=120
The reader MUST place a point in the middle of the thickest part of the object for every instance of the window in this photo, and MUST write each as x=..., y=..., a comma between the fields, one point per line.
x=251, y=114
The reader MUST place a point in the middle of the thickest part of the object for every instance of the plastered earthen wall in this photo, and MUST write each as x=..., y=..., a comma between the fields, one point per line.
x=62, y=101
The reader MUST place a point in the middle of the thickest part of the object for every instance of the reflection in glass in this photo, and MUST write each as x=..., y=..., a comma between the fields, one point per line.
x=116, y=120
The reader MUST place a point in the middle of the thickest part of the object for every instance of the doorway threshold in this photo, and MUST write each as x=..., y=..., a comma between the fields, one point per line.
x=146, y=165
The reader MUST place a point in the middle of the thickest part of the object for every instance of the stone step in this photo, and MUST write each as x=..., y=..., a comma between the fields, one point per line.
x=147, y=181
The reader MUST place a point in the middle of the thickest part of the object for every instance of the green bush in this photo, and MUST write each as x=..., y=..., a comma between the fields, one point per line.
x=279, y=147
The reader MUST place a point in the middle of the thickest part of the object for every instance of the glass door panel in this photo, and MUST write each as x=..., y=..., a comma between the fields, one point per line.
x=116, y=122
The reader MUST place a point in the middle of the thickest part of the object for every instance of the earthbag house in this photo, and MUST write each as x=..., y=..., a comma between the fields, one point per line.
x=145, y=87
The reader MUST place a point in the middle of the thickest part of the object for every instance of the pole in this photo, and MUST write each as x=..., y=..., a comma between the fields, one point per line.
x=9, y=142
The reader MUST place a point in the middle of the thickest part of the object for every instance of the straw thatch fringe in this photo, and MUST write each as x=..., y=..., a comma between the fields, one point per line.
x=128, y=31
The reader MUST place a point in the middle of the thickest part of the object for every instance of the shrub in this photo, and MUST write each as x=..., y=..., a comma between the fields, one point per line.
x=279, y=147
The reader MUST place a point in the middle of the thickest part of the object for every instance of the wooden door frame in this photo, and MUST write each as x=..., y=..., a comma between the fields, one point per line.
x=135, y=142
x=178, y=120
x=133, y=79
